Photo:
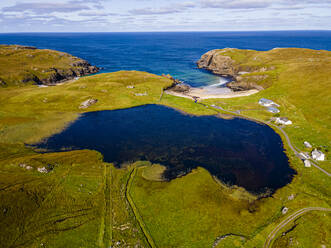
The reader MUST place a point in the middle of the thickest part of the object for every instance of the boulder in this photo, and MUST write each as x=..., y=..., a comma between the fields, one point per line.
x=291, y=197
x=88, y=103
x=42, y=170
x=22, y=165
x=46, y=169
x=141, y=94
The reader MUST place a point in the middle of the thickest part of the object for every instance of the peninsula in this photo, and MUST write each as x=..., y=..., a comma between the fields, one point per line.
x=22, y=65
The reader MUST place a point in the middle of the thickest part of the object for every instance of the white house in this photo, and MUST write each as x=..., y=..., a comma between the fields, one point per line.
x=307, y=163
x=318, y=155
x=284, y=210
x=273, y=110
x=307, y=144
x=267, y=103
x=283, y=121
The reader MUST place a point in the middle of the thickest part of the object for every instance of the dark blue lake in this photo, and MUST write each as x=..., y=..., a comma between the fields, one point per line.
x=237, y=151
x=173, y=53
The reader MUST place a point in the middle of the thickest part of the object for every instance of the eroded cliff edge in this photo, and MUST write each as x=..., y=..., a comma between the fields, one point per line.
x=21, y=65
x=244, y=77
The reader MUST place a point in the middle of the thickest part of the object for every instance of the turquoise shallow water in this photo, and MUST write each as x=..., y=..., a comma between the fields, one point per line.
x=173, y=53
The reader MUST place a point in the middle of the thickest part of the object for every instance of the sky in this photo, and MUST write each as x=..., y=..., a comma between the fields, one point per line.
x=163, y=15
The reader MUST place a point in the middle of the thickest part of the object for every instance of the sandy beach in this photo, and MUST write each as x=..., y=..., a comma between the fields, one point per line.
x=201, y=93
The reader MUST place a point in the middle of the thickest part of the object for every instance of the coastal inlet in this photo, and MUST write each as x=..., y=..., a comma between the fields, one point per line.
x=237, y=151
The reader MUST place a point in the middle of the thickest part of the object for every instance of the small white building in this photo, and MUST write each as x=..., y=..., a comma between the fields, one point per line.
x=273, y=110
x=284, y=210
x=267, y=103
x=318, y=155
x=283, y=121
x=307, y=144
x=307, y=163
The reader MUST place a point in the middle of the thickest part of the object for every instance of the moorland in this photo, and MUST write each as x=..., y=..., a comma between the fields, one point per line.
x=74, y=198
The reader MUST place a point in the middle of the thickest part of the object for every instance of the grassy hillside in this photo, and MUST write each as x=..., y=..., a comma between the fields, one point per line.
x=84, y=202
x=21, y=65
x=48, y=110
x=301, y=79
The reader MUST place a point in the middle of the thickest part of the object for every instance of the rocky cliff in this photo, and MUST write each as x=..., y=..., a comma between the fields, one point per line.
x=20, y=65
x=217, y=62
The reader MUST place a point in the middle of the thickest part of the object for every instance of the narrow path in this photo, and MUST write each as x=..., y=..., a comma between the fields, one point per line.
x=134, y=209
x=295, y=150
x=161, y=95
x=104, y=207
x=290, y=218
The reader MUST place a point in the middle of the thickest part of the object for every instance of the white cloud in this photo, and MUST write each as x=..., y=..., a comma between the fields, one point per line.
x=175, y=8
x=42, y=8
x=155, y=15
x=236, y=4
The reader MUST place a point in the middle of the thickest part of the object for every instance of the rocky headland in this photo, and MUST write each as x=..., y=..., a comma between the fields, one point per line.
x=21, y=65
x=217, y=62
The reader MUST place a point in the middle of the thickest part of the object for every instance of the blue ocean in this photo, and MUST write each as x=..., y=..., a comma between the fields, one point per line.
x=169, y=53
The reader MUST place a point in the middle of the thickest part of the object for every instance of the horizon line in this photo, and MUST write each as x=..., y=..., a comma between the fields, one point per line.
x=188, y=31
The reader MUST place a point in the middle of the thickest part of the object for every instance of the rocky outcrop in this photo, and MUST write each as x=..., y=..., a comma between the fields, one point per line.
x=78, y=69
x=176, y=81
x=29, y=65
x=181, y=88
x=177, y=86
x=216, y=62
x=88, y=103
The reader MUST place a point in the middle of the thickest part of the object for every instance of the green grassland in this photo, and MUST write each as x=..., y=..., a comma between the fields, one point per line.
x=84, y=202
x=21, y=65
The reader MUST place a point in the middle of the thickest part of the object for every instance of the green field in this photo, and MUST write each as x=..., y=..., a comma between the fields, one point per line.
x=21, y=66
x=85, y=202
